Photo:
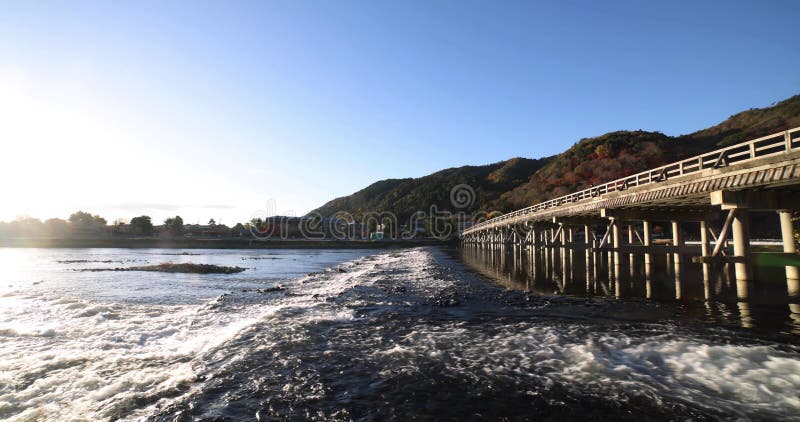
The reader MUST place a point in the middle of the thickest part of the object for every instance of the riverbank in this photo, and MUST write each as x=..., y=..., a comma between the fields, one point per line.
x=229, y=243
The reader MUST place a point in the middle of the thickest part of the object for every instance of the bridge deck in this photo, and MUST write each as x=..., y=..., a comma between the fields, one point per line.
x=768, y=162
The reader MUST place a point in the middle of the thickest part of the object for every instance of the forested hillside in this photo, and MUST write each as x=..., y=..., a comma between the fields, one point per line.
x=406, y=196
x=520, y=182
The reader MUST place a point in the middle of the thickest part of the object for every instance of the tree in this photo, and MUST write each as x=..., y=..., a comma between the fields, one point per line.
x=174, y=224
x=142, y=225
x=25, y=226
x=84, y=221
x=239, y=229
x=56, y=227
x=212, y=222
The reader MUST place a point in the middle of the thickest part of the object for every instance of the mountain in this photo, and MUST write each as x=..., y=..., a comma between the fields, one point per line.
x=520, y=182
x=590, y=161
x=750, y=124
x=406, y=196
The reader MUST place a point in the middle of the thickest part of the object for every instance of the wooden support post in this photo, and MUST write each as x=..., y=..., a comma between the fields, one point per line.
x=558, y=235
x=630, y=234
x=638, y=236
x=723, y=234
x=609, y=229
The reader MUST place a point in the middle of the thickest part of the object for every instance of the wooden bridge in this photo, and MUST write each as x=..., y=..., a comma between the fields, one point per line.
x=758, y=175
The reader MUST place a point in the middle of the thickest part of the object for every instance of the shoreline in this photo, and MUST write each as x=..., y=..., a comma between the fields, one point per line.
x=248, y=243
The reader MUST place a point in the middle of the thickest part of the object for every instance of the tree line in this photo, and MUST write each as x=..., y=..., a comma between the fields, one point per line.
x=81, y=223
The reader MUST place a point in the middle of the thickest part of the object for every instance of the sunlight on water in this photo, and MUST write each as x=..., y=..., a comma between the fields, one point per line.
x=13, y=274
x=94, y=344
x=367, y=335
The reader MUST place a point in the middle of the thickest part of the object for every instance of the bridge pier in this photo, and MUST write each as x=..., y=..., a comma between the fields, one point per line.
x=704, y=251
x=677, y=239
x=586, y=233
x=741, y=252
x=617, y=264
x=787, y=235
x=646, y=241
x=739, y=203
x=646, y=230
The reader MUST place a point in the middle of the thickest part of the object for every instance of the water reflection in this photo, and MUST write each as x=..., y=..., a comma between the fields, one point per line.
x=771, y=302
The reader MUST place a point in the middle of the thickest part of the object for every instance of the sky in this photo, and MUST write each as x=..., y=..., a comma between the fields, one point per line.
x=229, y=110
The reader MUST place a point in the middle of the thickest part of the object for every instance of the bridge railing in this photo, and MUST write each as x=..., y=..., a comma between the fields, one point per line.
x=777, y=143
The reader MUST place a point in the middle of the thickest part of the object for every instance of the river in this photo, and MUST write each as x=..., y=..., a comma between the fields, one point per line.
x=419, y=333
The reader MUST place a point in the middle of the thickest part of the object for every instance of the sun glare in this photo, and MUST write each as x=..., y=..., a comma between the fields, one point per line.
x=54, y=146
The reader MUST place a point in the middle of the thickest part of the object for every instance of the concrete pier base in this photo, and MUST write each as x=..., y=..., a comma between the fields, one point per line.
x=587, y=240
x=677, y=239
x=741, y=245
x=787, y=235
x=646, y=239
x=705, y=251
x=617, y=264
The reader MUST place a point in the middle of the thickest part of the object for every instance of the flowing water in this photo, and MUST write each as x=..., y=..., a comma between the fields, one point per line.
x=373, y=335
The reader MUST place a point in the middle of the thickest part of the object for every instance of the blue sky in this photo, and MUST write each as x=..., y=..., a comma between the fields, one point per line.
x=210, y=109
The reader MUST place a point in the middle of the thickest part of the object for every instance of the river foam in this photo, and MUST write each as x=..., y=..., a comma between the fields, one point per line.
x=408, y=330
x=404, y=332
x=67, y=357
x=73, y=359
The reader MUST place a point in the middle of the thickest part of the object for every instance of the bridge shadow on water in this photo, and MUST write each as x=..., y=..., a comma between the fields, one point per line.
x=710, y=292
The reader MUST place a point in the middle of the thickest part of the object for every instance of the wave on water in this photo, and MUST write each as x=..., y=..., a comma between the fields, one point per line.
x=404, y=333
x=66, y=357
x=407, y=333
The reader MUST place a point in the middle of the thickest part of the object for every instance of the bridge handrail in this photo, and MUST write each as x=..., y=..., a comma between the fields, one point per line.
x=776, y=143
